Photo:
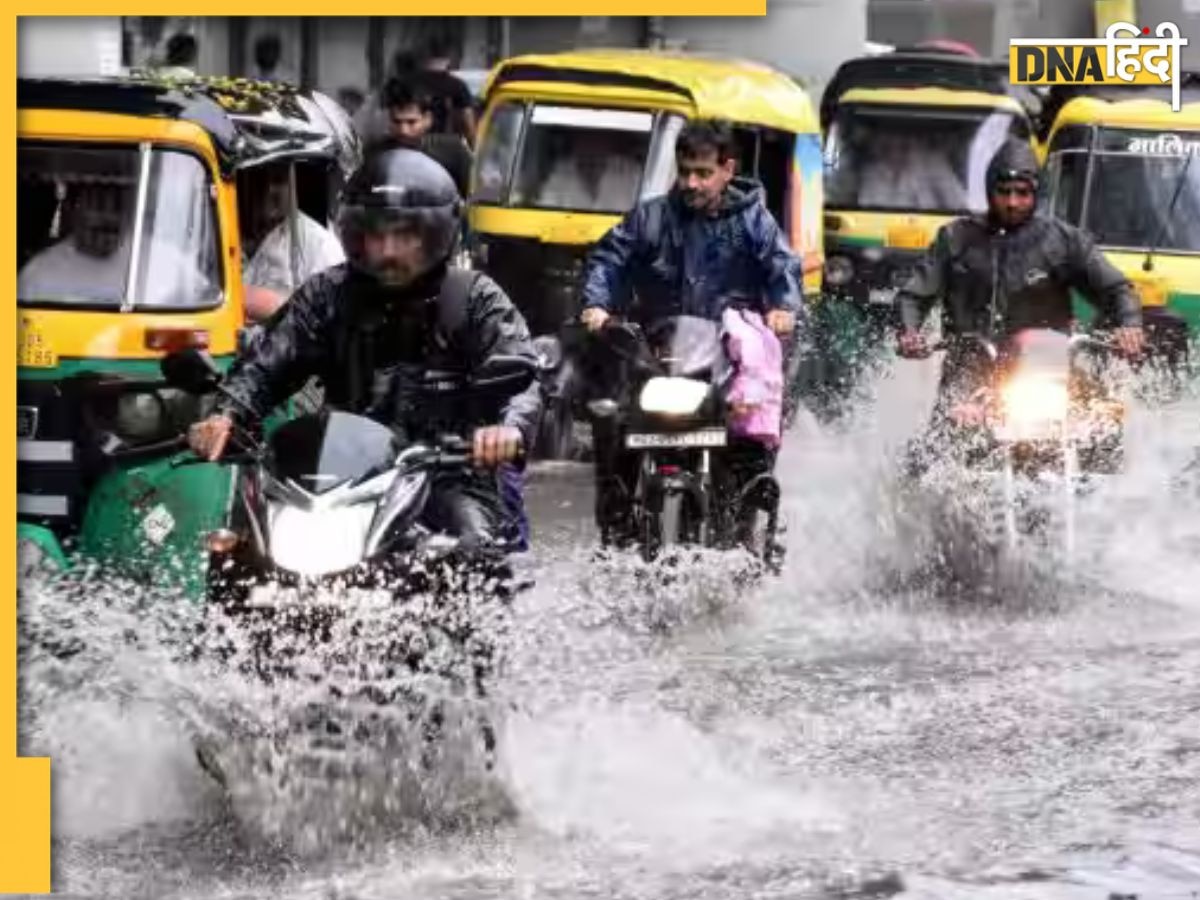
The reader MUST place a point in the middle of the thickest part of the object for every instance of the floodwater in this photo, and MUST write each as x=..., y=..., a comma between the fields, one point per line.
x=847, y=730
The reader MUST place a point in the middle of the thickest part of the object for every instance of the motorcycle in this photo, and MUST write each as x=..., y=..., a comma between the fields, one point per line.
x=672, y=416
x=326, y=523
x=1041, y=432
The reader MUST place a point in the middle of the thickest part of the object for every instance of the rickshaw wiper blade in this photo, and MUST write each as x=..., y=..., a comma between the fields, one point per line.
x=1148, y=265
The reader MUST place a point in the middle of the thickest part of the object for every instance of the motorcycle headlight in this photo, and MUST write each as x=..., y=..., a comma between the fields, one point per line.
x=1035, y=400
x=839, y=270
x=673, y=396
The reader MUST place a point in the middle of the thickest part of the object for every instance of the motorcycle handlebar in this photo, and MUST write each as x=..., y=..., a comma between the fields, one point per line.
x=447, y=452
x=1075, y=342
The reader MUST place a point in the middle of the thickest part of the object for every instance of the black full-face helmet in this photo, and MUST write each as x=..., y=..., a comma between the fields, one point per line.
x=398, y=188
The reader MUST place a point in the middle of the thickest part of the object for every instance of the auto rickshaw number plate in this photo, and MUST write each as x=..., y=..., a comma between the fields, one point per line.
x=1151, y=291
x=908, y=237
x=34, y=350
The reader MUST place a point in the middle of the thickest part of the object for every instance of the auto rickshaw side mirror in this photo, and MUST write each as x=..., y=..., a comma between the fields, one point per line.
x=190, y=370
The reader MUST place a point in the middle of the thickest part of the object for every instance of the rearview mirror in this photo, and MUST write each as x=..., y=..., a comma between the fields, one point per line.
x=191, y=370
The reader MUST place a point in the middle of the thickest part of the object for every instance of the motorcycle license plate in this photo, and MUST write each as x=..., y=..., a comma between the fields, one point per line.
x=881, y=296
x=709, y=437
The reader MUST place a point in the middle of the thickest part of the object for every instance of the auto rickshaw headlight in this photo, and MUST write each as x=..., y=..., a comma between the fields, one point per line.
x=839, y=270
x=140, y=417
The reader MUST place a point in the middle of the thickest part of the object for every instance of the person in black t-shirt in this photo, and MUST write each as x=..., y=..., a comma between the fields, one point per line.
x=453, y=105
x=410, y=116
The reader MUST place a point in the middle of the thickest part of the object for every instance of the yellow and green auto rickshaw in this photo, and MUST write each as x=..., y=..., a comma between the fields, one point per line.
x=612, y=116
x=129, y=247
x=1122, y=164
x=907, y=140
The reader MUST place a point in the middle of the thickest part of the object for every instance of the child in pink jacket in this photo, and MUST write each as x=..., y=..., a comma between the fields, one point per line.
x=755, y=390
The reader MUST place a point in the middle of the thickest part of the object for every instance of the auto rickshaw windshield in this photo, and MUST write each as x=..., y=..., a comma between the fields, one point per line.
x=575, y=158
x=924, y=159
x=115, y=226
x=1139, y=192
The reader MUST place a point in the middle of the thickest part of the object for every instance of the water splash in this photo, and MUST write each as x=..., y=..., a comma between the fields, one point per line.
x=805, y=738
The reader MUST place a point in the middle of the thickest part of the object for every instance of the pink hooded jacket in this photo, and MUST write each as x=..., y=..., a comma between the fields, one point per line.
x=756, y=357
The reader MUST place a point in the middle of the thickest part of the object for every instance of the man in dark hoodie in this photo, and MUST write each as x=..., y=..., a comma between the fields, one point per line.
x=1007, y=270
x=707, y=243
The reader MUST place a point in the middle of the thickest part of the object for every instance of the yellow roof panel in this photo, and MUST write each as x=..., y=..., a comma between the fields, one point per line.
x=720, y=87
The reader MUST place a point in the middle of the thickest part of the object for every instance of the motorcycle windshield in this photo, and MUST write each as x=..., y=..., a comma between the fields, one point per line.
x=322, y=451
x=1038, y=351
x=686, y=346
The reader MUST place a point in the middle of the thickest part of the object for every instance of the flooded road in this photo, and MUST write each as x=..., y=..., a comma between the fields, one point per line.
x=844, y=731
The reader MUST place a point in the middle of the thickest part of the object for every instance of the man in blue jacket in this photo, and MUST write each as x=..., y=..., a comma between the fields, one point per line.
x=708, y=243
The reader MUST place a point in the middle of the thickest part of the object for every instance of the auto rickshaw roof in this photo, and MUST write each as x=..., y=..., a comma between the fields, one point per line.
x=717, y=86
x=923, y=69
x=932, y=97
x=1122, y=105
x=249, y=121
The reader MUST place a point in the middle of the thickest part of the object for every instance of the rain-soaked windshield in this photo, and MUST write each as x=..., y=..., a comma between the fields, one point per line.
x=582, y=159
x=1135, y=179
x=320, y=452
x=922, y=160
x=687, y=346
x=1037, y=350
x=78, y=208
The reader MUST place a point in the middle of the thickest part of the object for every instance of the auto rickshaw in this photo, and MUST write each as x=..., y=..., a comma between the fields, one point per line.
x=908, y=136
x=569, y=142
x=130, y=247
x=1122, y=164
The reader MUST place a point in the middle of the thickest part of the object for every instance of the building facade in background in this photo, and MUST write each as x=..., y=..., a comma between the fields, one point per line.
x=988, y=25
x=807, y=39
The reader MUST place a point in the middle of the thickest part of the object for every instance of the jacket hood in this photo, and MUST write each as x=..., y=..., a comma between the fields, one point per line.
x=740, y=193
x=1014, y=158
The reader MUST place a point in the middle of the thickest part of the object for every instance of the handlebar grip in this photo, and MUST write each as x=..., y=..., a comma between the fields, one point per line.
x=453, y=444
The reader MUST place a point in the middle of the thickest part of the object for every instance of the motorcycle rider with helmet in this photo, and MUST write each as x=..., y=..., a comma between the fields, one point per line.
x=996, y=274
x=373, y=327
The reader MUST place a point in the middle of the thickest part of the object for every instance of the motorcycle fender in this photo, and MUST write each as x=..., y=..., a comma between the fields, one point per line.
x=658, y=486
